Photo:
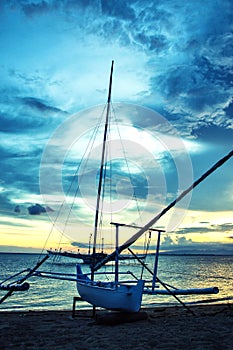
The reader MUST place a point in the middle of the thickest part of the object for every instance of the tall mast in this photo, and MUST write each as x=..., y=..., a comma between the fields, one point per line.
x=102, y=168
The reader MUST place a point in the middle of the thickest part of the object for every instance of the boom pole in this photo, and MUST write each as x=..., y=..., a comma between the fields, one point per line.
x=138, y=234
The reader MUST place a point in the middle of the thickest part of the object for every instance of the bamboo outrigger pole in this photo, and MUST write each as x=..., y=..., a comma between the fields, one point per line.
x=137, y=235
x=19, y=285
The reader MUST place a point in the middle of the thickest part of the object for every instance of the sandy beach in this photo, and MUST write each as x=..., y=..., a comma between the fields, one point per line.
x=159, y=328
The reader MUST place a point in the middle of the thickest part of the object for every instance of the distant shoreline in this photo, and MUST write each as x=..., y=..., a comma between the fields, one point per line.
x=149, y=254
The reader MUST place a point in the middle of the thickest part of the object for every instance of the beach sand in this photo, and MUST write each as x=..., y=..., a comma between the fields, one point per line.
x=159, y=328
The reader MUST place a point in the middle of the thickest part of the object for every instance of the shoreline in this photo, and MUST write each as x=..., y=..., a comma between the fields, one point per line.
x=171, y=327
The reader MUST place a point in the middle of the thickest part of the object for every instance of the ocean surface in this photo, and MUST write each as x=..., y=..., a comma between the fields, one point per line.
x=178, y=271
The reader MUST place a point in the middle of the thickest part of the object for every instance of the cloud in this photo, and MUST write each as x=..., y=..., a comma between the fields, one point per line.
x=183, y=241
x=16, y=224
x=193, y=70
x=7, y=206
x=40, y=106
x=17, y=209
x=36, y=209
x=119, y=9
x=199, y=248
x=167, y=241
x=80, y=244
x=173, y=57
x=31, y=8
x=16, y=249
x=23, y=114
x=182, y=245
x=209, y=228
x=214, y=134
x=226, y=227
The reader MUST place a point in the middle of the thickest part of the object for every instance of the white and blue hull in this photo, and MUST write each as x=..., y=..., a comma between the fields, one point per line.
x=121, y=297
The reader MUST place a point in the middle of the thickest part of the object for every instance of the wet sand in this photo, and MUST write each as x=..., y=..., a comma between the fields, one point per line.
x=157, y=328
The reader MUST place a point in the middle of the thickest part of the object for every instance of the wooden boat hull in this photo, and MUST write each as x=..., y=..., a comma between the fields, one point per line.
x=122, y=297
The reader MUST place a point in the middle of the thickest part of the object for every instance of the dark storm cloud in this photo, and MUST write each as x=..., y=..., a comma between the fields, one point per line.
x=36, y=209
x=199, y=248
x=32, y=8
x=39, y=105
x=6, y=205
x=120, y=9
x=213, y=134
x=229, y=109
x=21, y=118
x=223, y=227
x=195, y=44
x=210, y=228
x=200, y=86
x=11, y=123
x=196, y=76
x=79, y=244
x=183, y=231
x=184, y=246
x=14, y=224
x=21, y=114
x=19, y=173
x=190, y=49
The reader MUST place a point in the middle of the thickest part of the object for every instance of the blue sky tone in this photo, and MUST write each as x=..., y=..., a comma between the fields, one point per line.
x=171, y=57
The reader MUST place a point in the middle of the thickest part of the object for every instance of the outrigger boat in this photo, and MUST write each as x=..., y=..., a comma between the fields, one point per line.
x=86, y=258
x=116, y=294
x=124, y=296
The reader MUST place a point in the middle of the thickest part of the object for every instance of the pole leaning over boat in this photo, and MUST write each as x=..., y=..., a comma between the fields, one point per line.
x=138, y=234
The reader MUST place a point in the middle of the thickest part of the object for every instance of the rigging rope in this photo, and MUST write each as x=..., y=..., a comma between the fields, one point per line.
x=129, y=242
x=127, y=164
x=146, y=252
x=83, y=161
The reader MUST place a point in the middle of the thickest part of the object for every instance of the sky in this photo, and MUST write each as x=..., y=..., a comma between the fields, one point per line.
x=172, y=97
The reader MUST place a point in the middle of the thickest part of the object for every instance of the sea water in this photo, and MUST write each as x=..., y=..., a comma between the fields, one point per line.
x=179, y=271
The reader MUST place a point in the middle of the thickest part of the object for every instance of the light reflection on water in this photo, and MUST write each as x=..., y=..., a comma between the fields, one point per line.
x=178, y=271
